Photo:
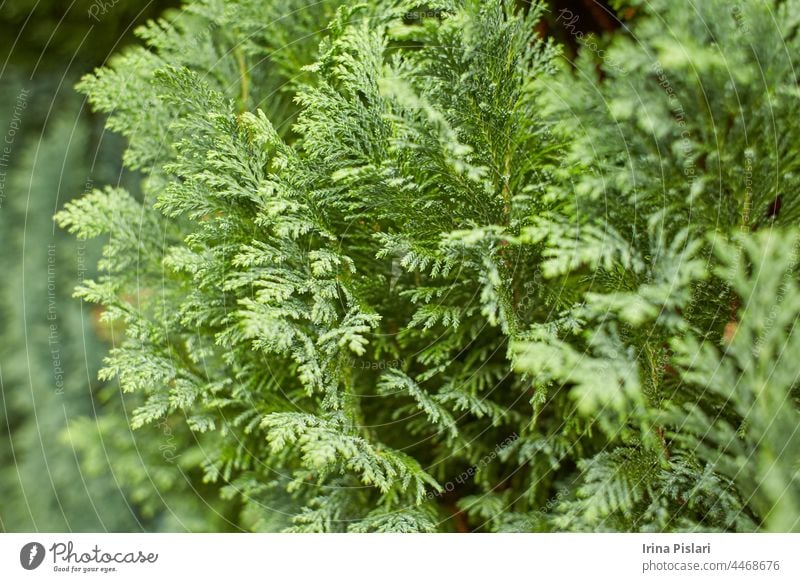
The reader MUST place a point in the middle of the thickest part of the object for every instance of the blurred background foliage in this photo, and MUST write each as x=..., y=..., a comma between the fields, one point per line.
x=68, y=460
x=63, y=465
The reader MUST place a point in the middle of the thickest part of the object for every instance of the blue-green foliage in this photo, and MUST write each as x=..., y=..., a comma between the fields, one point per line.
x=46, y=339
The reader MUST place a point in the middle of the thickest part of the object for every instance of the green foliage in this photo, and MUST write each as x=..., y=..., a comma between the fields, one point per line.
x=756, y=439
x=68, y=460
x=361, y=264
x=46, y=340
x=45, y=38
x=667, y=162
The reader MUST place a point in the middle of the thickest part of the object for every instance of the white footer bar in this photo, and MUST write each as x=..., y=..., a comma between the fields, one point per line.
x=386, y=558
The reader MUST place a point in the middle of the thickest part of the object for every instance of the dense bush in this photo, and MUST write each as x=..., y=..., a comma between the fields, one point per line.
x=399, y=267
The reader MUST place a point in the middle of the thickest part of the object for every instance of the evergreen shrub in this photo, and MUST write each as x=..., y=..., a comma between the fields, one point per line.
x=401, y=267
